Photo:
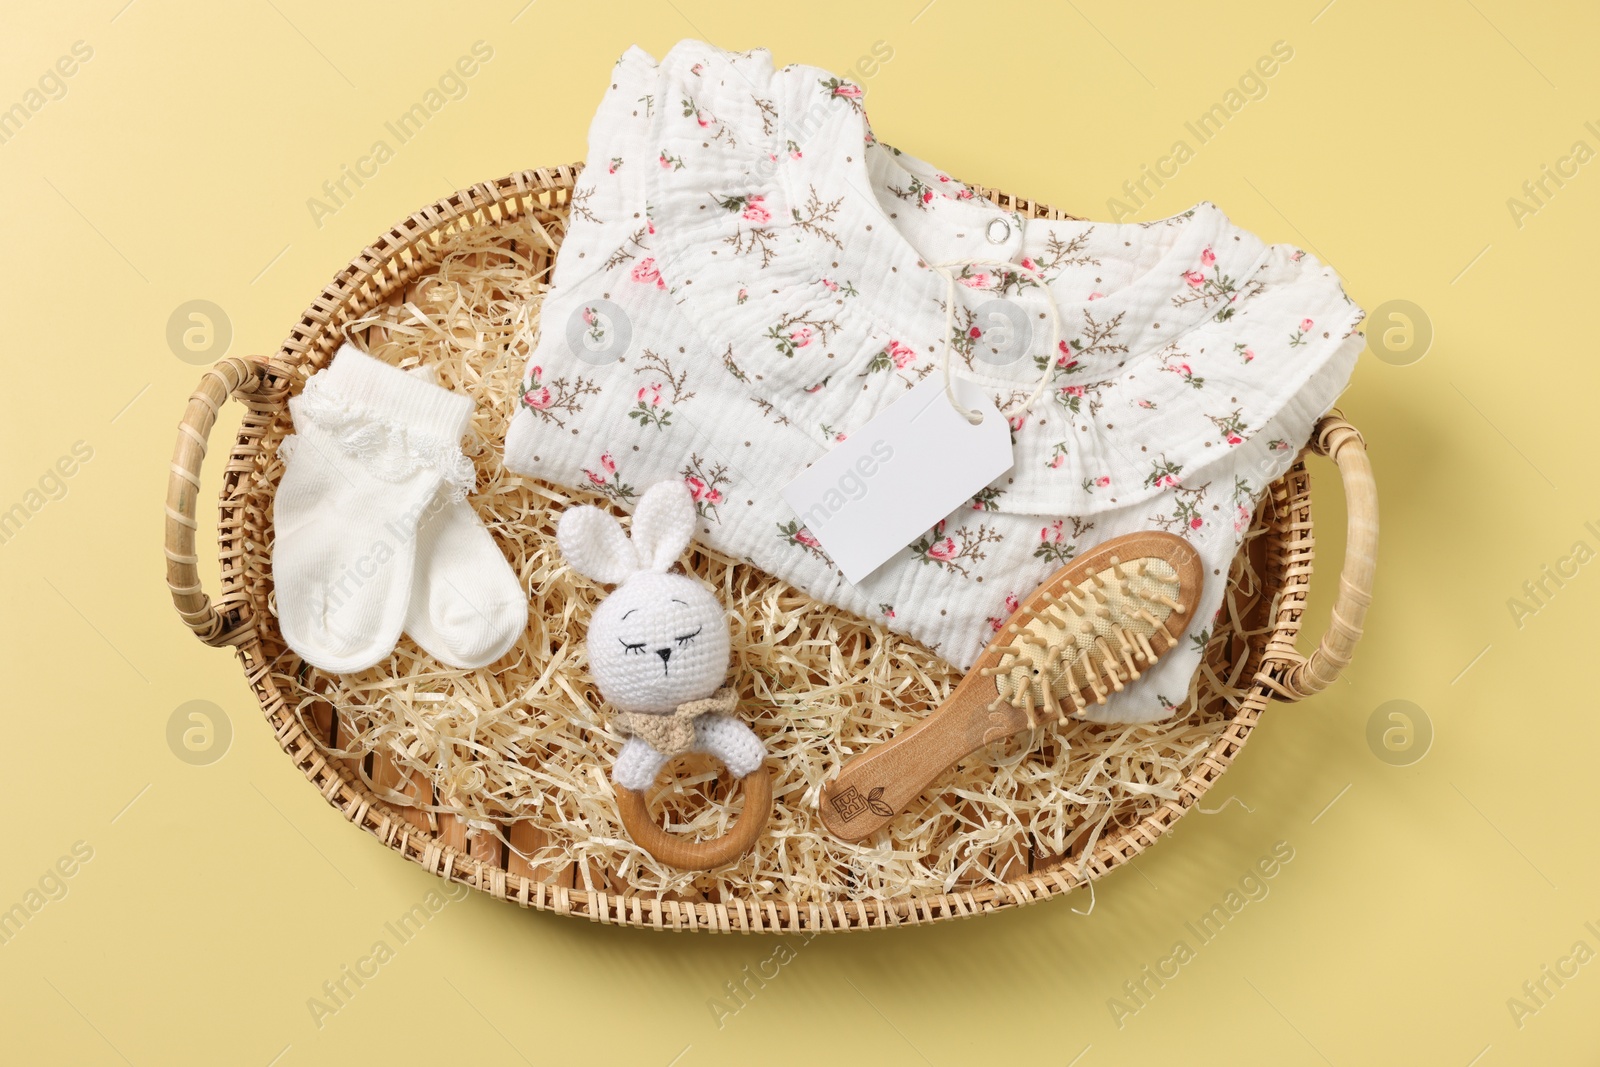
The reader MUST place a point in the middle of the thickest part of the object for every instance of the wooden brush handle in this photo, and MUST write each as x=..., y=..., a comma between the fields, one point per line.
x=877, y=785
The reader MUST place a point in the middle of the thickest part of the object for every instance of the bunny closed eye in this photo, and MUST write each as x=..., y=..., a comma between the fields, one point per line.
x=637, y=648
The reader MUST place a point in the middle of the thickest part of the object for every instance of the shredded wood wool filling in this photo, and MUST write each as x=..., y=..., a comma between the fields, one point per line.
x=520, y=753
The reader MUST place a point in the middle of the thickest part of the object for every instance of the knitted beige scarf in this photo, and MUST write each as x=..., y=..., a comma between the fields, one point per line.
x=672, y=734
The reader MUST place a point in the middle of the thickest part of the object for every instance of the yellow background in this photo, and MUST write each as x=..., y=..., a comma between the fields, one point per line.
x=177, y=166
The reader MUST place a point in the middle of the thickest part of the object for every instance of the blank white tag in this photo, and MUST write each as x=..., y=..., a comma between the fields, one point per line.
x=913, y=464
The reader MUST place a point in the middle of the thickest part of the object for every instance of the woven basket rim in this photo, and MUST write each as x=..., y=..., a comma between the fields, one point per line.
x=366, y=281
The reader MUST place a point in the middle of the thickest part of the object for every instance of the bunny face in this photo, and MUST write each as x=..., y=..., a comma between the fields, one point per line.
x=660, y=639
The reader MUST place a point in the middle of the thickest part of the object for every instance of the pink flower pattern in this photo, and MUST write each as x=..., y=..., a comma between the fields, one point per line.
x=606, y=481
x=985, y=537
x=645, y=273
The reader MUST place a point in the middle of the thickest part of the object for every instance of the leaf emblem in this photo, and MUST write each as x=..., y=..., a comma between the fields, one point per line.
x=876, y=806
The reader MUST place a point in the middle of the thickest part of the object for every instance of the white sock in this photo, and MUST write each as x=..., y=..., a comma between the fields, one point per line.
x=372, y=448
x=467, y=606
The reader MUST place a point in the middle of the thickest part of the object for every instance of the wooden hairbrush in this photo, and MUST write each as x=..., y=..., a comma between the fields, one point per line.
x=1077, y=639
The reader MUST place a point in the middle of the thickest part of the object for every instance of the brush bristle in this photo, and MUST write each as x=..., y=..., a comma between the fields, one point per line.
x=1084, y=642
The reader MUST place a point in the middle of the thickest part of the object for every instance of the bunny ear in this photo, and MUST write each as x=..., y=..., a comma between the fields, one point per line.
x=595, y=545
x=662, y=524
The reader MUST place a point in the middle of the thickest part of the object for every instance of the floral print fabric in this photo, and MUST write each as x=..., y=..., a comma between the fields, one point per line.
x=745, y=281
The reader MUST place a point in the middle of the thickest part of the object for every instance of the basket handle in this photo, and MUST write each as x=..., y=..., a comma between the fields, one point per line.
x=234, y=375
x=1291, y=675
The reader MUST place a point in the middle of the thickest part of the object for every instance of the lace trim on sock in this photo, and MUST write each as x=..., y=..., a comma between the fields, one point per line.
x=388, y=449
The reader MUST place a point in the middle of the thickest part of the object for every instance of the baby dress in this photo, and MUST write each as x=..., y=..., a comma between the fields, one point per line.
x=749, y=275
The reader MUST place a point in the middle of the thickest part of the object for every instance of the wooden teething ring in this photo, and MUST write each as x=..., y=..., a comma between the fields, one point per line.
x=687, y=855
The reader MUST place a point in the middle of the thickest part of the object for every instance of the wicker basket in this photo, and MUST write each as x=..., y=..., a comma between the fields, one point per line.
x=1262, y=647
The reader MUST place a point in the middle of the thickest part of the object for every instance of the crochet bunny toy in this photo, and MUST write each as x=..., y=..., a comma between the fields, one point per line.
x=658, y=645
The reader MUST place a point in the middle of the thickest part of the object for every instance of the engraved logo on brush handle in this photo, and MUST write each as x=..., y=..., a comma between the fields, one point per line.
x=849, y=803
